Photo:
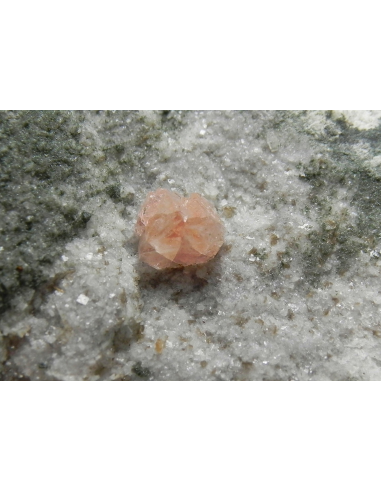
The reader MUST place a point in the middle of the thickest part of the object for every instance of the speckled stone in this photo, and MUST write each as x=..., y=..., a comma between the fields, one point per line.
x=294, y=293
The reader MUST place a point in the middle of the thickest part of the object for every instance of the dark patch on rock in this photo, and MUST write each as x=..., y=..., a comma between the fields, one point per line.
x=113, y=191
x=47, y=288
x=341, y=238
x=38, y=151
x=127, y=333
x=141, y=372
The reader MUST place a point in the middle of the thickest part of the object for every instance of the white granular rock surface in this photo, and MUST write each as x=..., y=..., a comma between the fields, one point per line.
x=294, y=294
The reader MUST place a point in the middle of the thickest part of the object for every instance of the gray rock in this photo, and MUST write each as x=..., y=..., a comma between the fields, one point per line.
x=293, y=294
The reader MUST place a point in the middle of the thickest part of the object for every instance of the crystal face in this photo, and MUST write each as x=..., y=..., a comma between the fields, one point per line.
x=178, y=231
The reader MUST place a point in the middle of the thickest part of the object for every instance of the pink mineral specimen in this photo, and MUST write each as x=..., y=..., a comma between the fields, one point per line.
x=176, y=231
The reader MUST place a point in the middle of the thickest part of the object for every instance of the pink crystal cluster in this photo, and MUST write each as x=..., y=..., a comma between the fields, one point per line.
x=176, y=231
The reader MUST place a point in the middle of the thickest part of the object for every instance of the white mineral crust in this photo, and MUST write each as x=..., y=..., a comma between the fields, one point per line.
x=294, y=293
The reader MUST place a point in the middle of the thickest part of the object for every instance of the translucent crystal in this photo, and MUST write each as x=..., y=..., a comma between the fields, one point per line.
x=176, y=231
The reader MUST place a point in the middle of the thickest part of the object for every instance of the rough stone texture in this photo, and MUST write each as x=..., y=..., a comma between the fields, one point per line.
x=293, y=294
